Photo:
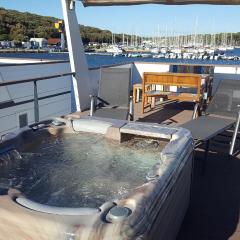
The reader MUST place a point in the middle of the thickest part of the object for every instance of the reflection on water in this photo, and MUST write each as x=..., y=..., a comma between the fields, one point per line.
x=81, y=170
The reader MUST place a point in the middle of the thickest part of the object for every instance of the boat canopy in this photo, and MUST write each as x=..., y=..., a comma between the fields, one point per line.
x=167, y=2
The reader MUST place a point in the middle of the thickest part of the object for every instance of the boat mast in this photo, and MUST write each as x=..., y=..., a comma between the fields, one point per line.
x=231, y=42
x=213, y=41
x=195, y=32
x=166, y=36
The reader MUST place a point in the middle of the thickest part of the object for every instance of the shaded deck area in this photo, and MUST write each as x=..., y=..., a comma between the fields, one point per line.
x=214, y=208
x=213, y=213
x=170, y=113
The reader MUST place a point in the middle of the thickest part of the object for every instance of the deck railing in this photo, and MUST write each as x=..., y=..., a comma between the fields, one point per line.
x=35, y=90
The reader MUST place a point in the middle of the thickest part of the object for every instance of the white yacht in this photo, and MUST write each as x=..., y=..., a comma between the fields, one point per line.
x=176, y=50
x=155, y=50
x=114, y=49
x=164, y=50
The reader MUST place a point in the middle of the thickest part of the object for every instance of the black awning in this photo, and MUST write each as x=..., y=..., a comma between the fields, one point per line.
x=167, y=2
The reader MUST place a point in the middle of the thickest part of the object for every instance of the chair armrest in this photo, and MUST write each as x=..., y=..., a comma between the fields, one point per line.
x=95, y=104
x=235, y=133
x=195, y=111
x=92, y=106
x=131, y=111
x=92, y=97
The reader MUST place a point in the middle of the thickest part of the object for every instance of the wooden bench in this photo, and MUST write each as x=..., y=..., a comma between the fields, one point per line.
x=187, y=87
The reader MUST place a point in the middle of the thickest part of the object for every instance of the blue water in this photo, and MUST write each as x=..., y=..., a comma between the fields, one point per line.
x=99, y=60
x=235, y=52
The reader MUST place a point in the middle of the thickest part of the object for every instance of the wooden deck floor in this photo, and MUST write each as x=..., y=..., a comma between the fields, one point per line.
x=214, y=211
x=170, y=114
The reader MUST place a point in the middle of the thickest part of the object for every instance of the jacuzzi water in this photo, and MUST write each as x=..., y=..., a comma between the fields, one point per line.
x=79, y=170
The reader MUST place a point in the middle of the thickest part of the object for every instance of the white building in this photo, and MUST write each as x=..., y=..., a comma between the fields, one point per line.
x=40, y=42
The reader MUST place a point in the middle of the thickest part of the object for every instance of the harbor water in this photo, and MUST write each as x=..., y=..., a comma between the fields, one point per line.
x=104, y=60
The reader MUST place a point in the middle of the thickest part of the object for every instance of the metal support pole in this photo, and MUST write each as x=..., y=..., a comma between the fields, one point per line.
x=36, y=105
x=235, y=134
x=62, y=41
x=195, y=111
x=78, y=61
x=131, y=113
x=92, y=108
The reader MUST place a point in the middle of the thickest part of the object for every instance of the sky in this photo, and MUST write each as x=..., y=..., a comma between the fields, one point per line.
x=144, y=20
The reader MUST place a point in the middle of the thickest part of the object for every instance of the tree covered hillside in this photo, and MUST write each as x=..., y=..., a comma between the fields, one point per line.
x=21, y=27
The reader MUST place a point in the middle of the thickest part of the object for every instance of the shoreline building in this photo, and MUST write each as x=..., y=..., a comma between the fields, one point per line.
x=39, y=42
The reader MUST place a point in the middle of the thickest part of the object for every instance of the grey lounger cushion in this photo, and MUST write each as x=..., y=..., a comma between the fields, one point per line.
x=206, y=127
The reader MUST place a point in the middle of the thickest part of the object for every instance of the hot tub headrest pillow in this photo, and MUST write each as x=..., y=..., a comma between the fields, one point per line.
x=91, y=126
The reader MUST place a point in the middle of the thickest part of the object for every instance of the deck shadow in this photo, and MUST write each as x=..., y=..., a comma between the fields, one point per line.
x=165, y=112
x=214, y=207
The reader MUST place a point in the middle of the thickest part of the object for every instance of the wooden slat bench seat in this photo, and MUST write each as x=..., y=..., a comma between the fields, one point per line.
x=188, y=87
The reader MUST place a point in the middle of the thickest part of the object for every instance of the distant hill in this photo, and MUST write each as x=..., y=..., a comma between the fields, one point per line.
x=20, y=27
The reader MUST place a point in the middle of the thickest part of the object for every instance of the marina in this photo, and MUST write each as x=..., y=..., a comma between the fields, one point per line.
x=97, y=60
x=193, y=54
x=121, y=145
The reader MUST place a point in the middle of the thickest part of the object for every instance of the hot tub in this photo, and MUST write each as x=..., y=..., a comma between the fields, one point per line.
x=94, y=178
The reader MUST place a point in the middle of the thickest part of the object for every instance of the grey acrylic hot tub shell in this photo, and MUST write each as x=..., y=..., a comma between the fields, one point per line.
x=157, y=207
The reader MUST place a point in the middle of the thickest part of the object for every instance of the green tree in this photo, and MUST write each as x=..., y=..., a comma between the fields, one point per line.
x=4, y=37
x=18, y=33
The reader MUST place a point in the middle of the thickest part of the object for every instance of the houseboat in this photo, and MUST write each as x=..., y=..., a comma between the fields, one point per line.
x=67, y=174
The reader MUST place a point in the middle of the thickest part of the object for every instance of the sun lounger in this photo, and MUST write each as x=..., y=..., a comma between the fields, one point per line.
x=113, y=100
x=222, y=114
